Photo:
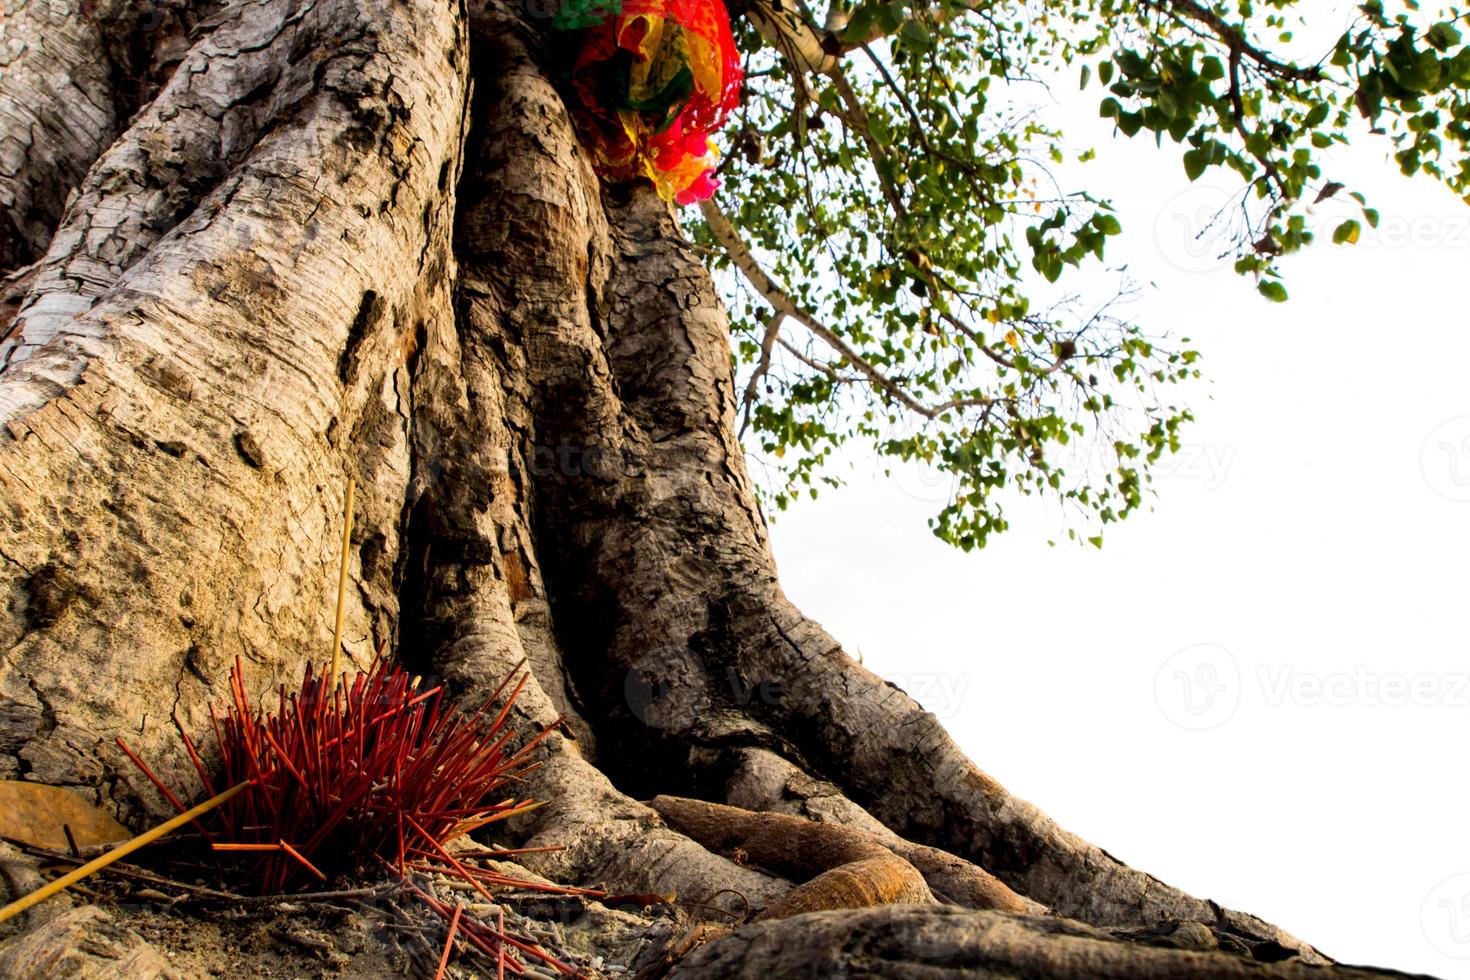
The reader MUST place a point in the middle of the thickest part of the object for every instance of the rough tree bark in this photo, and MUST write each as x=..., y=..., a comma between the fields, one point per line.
x=253, y=249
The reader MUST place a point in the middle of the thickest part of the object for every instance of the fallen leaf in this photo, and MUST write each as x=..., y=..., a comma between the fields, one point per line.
x=34, y=813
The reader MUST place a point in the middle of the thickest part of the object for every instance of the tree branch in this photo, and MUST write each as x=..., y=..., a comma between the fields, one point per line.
x=1237, y=110
x=763, y=366
x=1236, y=41
x=859, y=116
x=783, y=26
x=784, y=306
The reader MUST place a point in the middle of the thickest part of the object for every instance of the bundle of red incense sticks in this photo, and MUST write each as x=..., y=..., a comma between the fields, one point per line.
x=374, y=771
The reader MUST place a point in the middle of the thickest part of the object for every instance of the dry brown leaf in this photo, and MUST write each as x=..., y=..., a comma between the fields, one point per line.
x=34, y=813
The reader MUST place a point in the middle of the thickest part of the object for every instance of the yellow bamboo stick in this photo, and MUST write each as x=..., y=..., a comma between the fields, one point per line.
x=120, y=852
x=342, y=583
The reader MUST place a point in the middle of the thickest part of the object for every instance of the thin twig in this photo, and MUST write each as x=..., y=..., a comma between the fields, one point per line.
x=781, y=301
x=1235, y=40
x=127, y=871
x=768, y=341
x=201, y=892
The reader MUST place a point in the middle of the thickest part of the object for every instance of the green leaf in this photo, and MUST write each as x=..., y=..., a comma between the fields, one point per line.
x=860, y=27
x=1195, y=162
x=917, y=35
x=961, y=181
x=890, y=17
x=1443, y=36
x=1272, y=290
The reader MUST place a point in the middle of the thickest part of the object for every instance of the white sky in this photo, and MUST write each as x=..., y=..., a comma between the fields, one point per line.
x=1305, y=563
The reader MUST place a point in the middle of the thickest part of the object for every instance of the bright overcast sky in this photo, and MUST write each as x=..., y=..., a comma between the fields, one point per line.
x=1260, y=690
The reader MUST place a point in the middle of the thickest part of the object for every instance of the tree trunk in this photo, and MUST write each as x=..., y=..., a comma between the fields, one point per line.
x=303, y=242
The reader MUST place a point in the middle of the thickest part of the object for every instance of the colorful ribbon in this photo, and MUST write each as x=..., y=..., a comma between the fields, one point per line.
x=654, y=78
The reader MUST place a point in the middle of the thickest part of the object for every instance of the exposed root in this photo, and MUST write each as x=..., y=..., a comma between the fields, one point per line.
x=847, y=869
x=916, y=942
x=764, y=781
x=658, y=574
x=655, y=567
x=884, y=879
x=81, y=942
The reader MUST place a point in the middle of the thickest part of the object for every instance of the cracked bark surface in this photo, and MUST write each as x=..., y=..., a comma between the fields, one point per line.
x=934, y=942
x=359, y=238
x=185, y=435
x=71, y=73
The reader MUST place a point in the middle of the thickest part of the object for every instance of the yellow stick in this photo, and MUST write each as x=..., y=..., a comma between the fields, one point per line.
x=118, y=853
x=342, y=583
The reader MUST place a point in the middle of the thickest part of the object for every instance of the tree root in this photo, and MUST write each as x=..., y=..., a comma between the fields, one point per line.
x=917, y=942
x=847, y=868
x=764, y=781
x=656, y=567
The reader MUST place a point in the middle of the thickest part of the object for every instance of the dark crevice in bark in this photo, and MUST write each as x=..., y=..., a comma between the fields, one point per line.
x=369, y=312
x=417, y=644
x=145, y=41
x=467, y=501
